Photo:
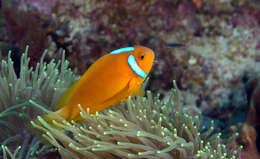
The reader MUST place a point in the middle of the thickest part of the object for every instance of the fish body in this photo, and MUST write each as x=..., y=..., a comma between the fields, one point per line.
x=109, y=81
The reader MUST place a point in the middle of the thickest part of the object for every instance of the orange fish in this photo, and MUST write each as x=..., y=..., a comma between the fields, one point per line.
x=109, y=81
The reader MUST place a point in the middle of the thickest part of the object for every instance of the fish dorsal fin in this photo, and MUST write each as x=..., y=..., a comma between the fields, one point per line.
x=64, y=97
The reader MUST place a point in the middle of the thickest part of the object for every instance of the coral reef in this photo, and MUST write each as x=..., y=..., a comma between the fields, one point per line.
x=144, y=127
x=156, y=128
x=221, y=40
x=23, y=26
x=221, y=49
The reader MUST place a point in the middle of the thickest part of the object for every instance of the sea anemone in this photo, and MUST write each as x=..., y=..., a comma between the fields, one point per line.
x=43, y=84
x=143, y=127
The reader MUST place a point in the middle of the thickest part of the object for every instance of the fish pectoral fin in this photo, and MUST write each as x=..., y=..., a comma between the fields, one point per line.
x=132, y=84
x=136, y=87
x=119, y=96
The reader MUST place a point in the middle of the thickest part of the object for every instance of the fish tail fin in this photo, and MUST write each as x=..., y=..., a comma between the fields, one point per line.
x=41, y=123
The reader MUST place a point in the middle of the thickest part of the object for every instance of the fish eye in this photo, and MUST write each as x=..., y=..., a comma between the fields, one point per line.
x=142, y=57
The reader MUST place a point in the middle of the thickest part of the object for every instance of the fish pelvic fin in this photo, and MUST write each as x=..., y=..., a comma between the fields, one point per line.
x=139, y=91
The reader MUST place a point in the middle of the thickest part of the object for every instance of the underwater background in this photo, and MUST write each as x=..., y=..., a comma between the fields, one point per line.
x=202, y=99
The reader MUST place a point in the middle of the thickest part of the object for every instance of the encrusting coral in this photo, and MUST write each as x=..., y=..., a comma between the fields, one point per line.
x=143, y=128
